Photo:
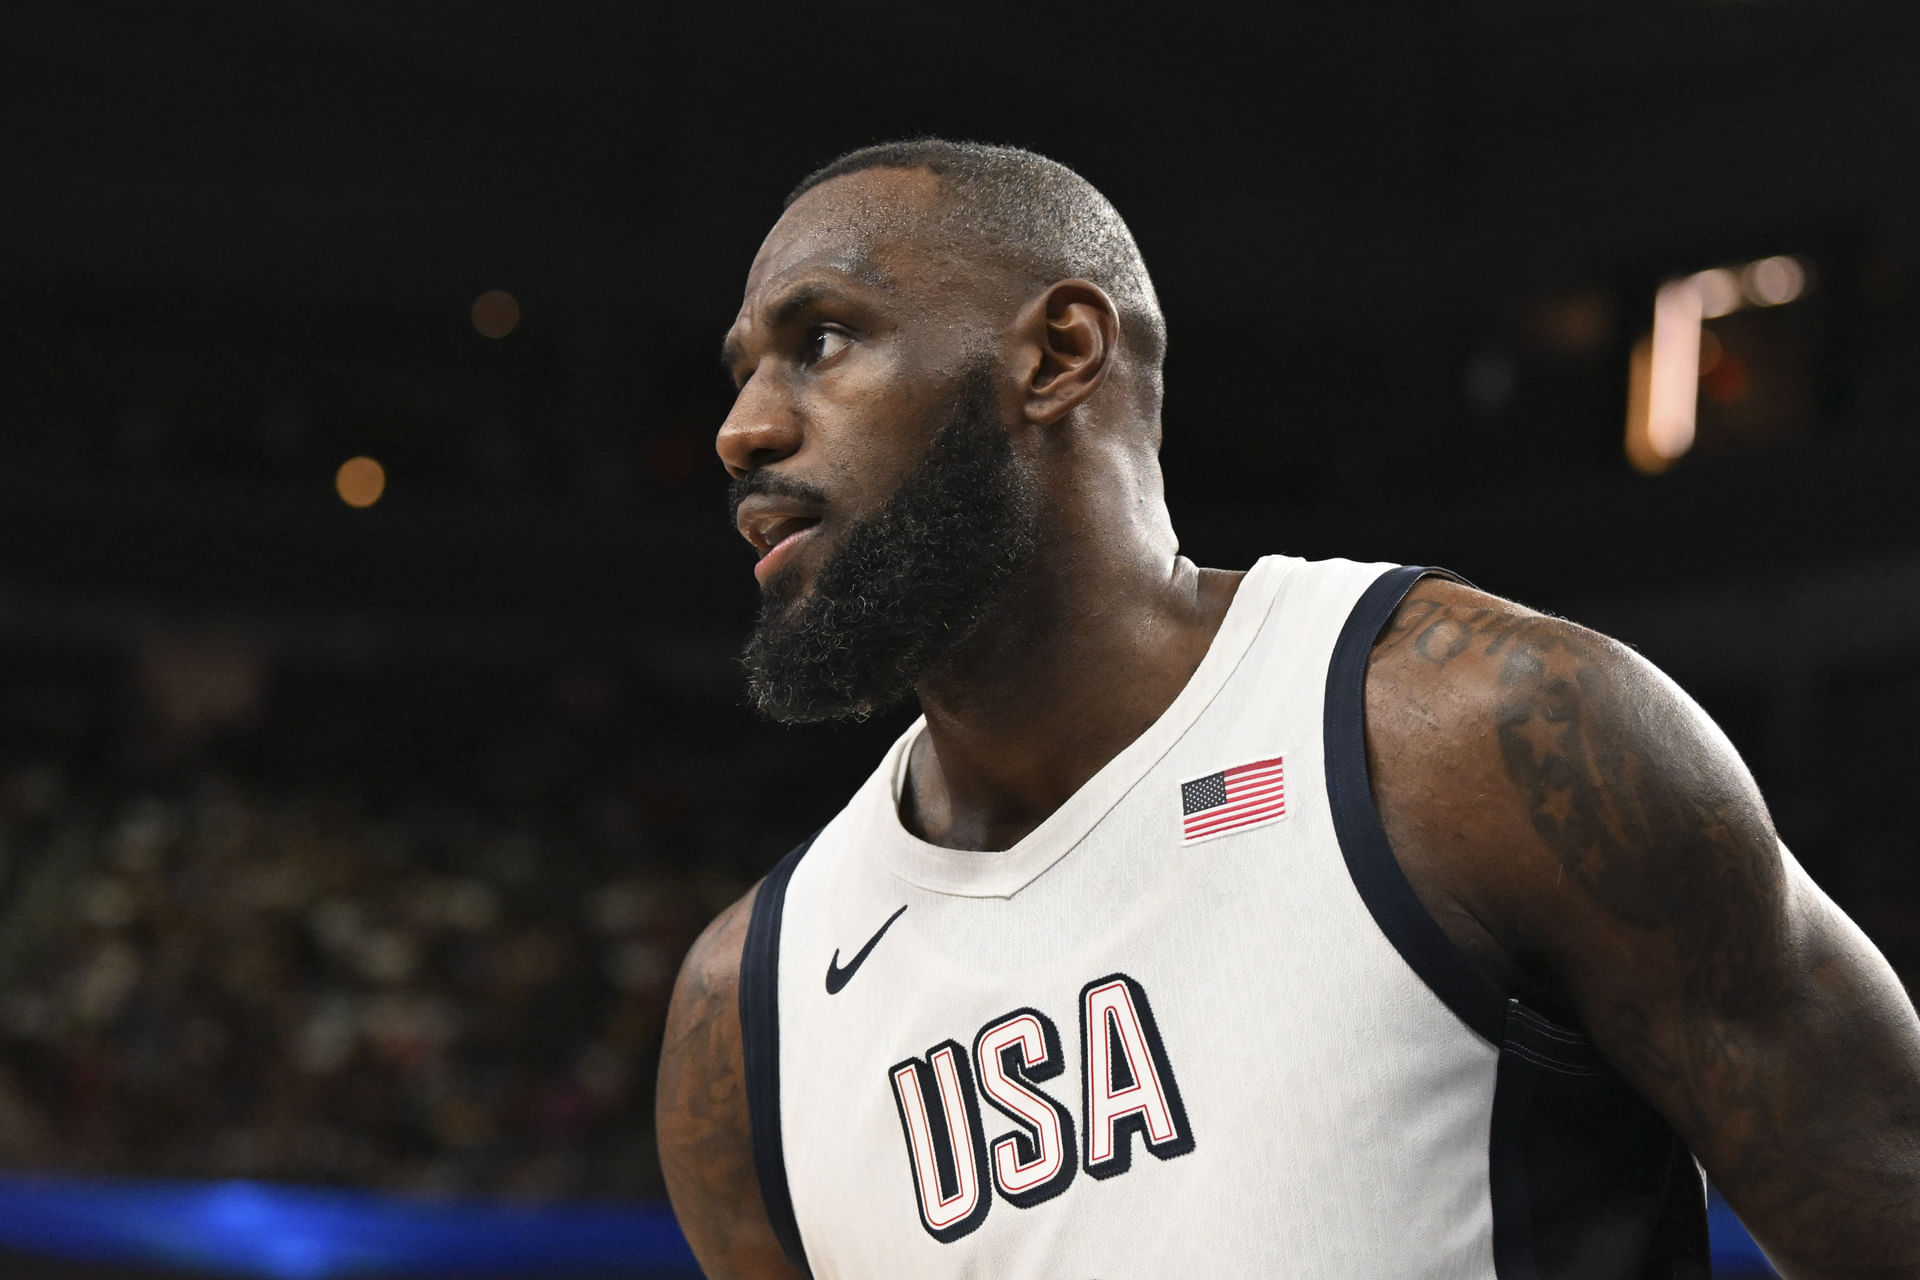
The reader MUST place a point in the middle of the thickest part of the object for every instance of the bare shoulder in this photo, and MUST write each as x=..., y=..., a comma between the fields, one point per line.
x=1533, y=771
x=1581, y=828
x=700, y=1111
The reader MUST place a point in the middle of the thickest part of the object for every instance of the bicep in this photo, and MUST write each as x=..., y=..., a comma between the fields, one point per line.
x=1802, y=1103
x=1606, y=839
x=701, y=1117
x=1712, y=972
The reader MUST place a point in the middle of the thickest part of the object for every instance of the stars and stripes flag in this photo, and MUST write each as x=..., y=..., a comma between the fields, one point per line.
x=1243, y=796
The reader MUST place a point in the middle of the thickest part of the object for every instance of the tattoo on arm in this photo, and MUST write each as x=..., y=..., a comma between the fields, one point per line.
x=1734, y=995
x=701, y=1117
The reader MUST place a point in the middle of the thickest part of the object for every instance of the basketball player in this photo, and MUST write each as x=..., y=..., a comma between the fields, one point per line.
x=1319, y=920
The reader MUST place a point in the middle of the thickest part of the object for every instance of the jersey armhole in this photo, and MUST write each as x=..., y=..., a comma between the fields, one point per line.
x=1586, y=1179
x=1376, y=872
x=760, y=1049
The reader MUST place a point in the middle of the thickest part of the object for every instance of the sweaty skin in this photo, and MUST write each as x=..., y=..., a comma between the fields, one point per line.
x=1576, y=825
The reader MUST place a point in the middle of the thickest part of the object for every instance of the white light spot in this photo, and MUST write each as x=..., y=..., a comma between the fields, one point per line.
x=1719, y=292
x=1772, y=282
x=1673, y=381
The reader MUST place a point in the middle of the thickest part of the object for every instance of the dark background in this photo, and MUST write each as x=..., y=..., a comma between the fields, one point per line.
x=360, y=846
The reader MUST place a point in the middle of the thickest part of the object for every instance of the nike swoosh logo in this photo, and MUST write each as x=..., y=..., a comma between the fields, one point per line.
x=838, y=977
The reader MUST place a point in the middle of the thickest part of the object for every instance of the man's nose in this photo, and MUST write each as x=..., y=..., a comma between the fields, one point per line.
x=761, y=428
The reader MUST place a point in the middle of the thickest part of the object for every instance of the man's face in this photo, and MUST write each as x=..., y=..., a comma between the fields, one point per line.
x=871, y=456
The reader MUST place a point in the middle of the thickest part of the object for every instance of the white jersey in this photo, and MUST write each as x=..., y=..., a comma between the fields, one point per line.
x=1195, y=1024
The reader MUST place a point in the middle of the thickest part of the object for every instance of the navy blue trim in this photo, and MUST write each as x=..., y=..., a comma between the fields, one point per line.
x=760, y=1048
x=1508, y=1185
x=1588, y=1181
x=1356, y=822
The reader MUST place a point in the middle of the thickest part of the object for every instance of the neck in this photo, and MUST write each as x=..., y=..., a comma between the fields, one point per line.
x=1079, y=660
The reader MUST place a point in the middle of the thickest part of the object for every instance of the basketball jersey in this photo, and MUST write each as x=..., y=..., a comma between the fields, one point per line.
x=1195, y=1024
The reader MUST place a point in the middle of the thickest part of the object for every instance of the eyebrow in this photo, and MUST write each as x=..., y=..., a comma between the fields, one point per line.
x=782, y=315
x=799, y=300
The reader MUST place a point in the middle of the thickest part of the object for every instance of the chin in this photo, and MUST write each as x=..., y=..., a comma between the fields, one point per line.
x=785, y=590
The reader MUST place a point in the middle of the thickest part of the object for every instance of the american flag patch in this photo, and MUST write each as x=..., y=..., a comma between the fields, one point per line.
x=1247, y=795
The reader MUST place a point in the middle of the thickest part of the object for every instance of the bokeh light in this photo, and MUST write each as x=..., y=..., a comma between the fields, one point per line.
x=1772, y=282
x=1719, y=292
x=496, y=313
x=360, y=481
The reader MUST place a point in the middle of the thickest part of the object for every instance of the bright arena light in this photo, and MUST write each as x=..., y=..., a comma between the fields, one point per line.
x=1663, y=377
x=1673, y=377
x=360, y=482
x=1720, y=292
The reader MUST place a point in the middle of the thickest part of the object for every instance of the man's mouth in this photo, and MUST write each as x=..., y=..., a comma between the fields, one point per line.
x=777, y=528
x=770, y=537
x=784, y=541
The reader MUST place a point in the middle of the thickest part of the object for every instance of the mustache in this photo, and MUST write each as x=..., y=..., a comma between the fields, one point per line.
x=773, y=483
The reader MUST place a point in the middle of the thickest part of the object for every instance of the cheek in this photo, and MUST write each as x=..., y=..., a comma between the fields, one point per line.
x=873, y=443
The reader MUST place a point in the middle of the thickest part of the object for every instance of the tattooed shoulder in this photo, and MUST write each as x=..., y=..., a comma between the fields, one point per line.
x=1441, y=620
x=1577, y=743
x=1438, y=715
x=1580, y=810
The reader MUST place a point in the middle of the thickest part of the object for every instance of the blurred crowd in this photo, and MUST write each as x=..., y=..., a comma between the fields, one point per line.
x=418, y=930
x=432, y=955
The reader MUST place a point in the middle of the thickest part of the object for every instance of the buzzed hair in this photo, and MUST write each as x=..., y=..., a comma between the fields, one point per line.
x=1036, y=215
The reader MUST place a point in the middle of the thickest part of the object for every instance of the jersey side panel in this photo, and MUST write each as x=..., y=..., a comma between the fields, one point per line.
x=1588, y=1181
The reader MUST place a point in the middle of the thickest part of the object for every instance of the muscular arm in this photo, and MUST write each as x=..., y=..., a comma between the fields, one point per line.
x=700, y=1113
x=1591, y=839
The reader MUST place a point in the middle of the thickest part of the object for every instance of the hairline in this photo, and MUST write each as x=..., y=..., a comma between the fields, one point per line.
x=978, y=236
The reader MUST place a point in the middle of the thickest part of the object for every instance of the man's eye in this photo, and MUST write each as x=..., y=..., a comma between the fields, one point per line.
x=822, y=344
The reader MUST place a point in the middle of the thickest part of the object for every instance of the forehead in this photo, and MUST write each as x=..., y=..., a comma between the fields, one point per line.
x=873, y=226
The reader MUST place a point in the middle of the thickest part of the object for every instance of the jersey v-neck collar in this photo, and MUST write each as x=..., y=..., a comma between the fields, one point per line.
x=1003, y=873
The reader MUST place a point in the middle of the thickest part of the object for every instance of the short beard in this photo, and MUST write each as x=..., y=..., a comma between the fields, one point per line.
x=909, y=585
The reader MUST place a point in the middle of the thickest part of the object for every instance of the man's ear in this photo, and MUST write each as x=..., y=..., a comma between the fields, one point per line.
x=1075, y=334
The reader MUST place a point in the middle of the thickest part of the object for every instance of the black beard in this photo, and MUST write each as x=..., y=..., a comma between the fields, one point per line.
x=909, y=585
